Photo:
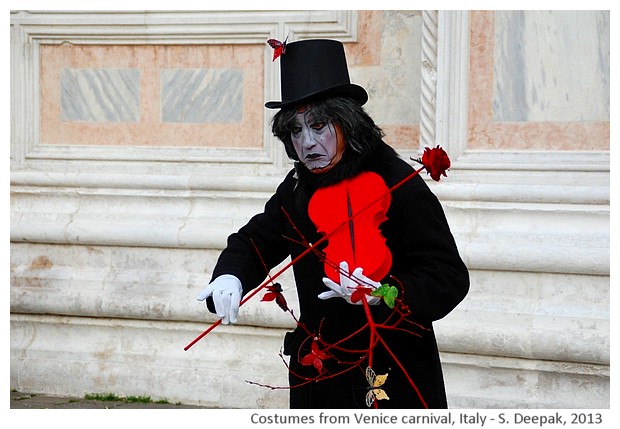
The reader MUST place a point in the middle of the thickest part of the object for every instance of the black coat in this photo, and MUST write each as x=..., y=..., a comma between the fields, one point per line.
x=425, y=262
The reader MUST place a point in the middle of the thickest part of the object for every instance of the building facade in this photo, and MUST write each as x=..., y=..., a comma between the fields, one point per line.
x=139, y=141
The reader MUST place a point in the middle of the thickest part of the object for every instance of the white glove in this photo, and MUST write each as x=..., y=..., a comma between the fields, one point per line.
x=348, y=285
x=226, y=290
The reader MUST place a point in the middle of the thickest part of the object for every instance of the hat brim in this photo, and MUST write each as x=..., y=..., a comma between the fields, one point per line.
x=349, y=90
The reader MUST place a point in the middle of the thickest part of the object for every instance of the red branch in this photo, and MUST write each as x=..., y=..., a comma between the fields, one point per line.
x=436, y=162
x=304, y=253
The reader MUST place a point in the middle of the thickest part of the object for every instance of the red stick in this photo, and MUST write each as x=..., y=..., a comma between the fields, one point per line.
x=304, y=253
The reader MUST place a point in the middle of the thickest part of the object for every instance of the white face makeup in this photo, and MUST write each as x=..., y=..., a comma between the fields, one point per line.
x=318, y=143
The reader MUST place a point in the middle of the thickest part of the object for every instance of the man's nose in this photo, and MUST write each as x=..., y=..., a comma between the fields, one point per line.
x=307, y=140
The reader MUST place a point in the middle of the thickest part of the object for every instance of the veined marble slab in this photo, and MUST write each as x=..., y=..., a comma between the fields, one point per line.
x=202, y=95
x=100, y=95
x=551, y=66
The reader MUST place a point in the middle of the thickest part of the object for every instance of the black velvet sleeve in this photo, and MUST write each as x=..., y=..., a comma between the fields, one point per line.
x=257, y=247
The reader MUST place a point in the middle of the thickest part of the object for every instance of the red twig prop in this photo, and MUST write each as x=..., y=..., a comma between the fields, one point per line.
x=436, y=162
x=304, y=253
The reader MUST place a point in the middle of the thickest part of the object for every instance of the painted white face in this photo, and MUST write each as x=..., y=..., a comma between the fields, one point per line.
x=319, y=144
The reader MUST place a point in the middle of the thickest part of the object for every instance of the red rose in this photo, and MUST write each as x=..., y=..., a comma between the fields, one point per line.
x=436, y=162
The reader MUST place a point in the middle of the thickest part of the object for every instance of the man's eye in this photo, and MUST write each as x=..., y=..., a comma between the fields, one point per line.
x=295, y=130
x=318, y=125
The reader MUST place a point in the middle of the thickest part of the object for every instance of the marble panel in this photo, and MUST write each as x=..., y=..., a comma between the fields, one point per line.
x=536, y=106
x=551, y=66
x=201, y=95
x=100, y=95
x=386, y=61
x=229, y=78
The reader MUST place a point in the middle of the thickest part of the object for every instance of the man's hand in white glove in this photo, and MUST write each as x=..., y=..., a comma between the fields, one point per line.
x=226, y=291
x=348, y=285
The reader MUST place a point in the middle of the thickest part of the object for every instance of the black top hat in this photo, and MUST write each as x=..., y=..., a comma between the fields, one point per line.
x=312, y=69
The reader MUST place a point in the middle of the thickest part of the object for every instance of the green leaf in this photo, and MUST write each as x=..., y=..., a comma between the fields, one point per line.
x=388, y=293
x=381, y=290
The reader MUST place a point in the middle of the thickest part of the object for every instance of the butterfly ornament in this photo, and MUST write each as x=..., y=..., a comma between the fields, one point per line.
x=315, y=357
x=274, y=293
x=279, y=48
x=374, y=387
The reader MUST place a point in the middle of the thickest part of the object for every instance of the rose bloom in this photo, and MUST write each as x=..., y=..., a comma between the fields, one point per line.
x=436, y=162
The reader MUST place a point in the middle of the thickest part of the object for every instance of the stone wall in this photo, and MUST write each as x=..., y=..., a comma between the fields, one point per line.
x=139, y=141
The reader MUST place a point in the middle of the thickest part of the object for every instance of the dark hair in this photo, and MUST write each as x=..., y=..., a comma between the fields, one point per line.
x=360, y=132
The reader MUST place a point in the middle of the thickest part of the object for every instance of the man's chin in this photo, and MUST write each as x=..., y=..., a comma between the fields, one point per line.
x=320, y=170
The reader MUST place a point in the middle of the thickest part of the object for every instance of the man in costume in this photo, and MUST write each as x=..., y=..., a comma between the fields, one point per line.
x=353, y=347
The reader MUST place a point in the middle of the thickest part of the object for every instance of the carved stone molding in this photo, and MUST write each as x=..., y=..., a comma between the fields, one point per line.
x=30, y=30
x=428, y=104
